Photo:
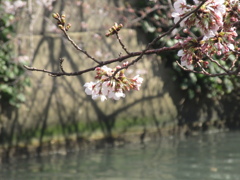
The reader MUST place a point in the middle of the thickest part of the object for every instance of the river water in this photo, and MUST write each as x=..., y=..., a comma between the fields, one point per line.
x=205, y=157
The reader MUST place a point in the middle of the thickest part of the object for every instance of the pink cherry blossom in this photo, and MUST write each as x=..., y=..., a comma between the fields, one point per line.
x=209, y=18
x=111, y=87
x=11, y=8
x=185, y=60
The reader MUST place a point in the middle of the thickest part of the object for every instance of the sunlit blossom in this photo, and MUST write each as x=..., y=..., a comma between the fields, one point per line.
x=185, y=60
x=214, y=19
x=111, y=87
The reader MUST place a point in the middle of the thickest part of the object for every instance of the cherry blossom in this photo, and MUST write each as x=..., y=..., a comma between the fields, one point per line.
x=209, y=18
x=11, y=8
x=186, y=59
x=181, y=8
x=111, y=86
x=46, y=3
x=214, y=19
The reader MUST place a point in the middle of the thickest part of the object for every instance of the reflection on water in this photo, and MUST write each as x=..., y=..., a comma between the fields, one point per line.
x=205, y=157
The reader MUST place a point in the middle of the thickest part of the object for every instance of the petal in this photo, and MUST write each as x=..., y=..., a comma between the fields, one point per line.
x=231, y=46
x=180, y=53
x=88, y=91
x=103, y=98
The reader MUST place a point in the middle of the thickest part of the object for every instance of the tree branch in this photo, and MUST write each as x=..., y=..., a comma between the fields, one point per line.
x=119, y=59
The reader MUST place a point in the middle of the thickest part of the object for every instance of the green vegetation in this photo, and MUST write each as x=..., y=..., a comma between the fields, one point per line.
x=90, y=131
x=12, y=75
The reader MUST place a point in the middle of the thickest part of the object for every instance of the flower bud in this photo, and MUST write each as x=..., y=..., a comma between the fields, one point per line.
x=205, y=64
x=185, y=30
x=178, y=37
x=202, y=42
x=97, y=68
x=125, y=64
x=219, y=53
x=55, y=15
x=63, y=19
x=60, y=26
x=63, y=16
x=68, y=26
x=233, y=19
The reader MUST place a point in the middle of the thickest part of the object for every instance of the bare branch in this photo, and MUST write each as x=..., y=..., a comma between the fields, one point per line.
x=203, y=72
x=201, y=67
x=138, y=55
x=147, y=12
x=234, y=62
x=78, y=48
x=236, y=72
x=158, y=38
x=60, y=64
x=119, y=59
x=217, y=63
x=120, y=41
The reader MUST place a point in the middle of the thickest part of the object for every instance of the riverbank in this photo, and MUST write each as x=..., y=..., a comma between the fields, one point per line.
x=60, y=144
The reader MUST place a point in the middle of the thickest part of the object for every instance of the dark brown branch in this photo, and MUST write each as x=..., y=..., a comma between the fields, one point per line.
x=159, y=37
x=119, y=59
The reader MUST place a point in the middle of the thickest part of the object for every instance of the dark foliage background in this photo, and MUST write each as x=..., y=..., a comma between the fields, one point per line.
x=199, y=92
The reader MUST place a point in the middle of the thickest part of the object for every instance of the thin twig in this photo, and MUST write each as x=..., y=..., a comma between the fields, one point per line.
x=60, y=64
x=120, y=41
x=155, y=8
x=217, y=63
x=206, y=73
x=201, y=67
x=78, y=48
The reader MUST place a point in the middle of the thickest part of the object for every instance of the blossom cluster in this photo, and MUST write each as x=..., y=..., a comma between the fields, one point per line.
x=46, y=3
x=215, y=19
x=111, y=83
x=12, y=7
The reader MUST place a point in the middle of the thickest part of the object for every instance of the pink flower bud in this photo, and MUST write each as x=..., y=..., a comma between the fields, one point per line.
x=97, y=68
x=125, y=64
x=177, y=37
x=185, y=30
x=233, y=19
x=219, y=53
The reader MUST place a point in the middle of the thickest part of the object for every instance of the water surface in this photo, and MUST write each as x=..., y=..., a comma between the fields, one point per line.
x=204, y=157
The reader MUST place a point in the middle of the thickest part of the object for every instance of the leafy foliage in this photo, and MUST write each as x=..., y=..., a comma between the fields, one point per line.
x=12, y=75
